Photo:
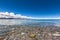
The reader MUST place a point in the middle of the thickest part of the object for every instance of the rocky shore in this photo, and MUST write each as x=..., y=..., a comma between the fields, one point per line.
x=32, y=33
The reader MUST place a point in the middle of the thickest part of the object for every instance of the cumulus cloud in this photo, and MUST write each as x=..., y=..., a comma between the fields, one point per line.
x=11, y=15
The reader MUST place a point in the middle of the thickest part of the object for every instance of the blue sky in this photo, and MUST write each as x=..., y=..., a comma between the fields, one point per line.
x=34, y=8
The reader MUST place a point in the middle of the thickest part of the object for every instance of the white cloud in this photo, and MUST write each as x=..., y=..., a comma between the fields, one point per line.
x=11, y=15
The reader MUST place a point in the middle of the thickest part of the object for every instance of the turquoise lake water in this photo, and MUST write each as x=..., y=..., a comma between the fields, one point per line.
x=4, y=23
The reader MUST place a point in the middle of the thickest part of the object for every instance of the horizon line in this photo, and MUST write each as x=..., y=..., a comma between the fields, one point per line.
x=29, y=18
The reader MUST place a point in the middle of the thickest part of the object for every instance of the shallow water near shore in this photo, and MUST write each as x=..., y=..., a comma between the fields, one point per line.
x=23, y=26
x=4, y=23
